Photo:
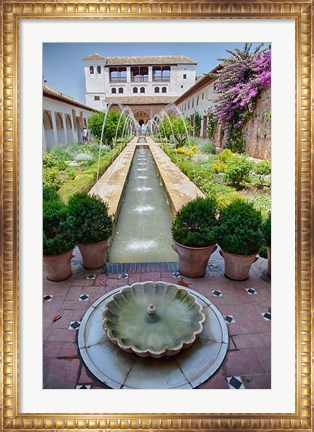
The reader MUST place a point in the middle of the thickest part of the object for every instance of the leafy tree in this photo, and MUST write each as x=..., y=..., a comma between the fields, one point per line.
x=95, y=124
x=197, y=124
x=179, y=126
x=212, y=124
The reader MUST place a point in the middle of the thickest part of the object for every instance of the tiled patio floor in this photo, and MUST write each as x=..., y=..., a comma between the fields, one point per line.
x=244, y=305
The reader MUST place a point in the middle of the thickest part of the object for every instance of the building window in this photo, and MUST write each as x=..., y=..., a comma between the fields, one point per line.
x=197, y=99
x=135, y=90
x=156, y=89
x=139, y=74
x=99, y=69
x=120, y=90
x=203, y=95
x=117, y=74
x=182, y=86
x=164, y=90
x=142, y=90
x=96, y=97
x=184, y=76
x=91, y=70
x=113, y=90
x=188, y=105
x=193, y=103
x=161, y=73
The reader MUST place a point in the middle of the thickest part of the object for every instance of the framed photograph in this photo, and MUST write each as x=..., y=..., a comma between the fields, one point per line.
x=28, y=27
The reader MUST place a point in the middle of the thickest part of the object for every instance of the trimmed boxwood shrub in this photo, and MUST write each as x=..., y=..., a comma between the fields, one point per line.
x=240, y=228
x=90, y=216
x=58, y=227
x=195, y=223
x=266, y=229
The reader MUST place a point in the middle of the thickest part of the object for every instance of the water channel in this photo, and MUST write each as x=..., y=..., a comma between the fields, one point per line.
x=143, y=229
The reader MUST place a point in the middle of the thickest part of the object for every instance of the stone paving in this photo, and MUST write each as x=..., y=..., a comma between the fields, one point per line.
x=245, y=306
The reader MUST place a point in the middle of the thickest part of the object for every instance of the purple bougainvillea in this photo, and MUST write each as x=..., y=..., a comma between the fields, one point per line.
x=240, y=81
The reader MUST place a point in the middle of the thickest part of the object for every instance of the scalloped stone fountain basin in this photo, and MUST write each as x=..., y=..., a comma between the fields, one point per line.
x=153, y=319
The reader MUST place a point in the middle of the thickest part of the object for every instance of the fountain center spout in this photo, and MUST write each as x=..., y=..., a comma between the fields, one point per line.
x=151, y=310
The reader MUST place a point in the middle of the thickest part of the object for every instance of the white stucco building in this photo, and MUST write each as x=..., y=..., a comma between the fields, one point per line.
x=141, y=82
x=63, y=118
x=199, y=99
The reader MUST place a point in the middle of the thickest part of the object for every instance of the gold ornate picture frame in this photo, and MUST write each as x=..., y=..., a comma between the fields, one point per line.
x=12, y=12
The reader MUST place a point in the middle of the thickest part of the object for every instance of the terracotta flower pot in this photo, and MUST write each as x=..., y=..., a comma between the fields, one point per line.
x=58, y=267
x=237, y=267
x=94, y=255
x=193, y=261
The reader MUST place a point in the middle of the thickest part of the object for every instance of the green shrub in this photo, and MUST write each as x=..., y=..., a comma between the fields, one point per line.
x=266, y=229
x=195, y=223
x=239, y=229
x=225, y=155
x=90, y=216
x=208, y=147
x=84, y=157
x=52, y=178
x=50, y=194
x=238, y=170
x=200, y=159
x=58, y=226
x=263, y=167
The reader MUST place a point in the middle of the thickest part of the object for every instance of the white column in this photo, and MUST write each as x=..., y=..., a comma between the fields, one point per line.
x=128, y=74
x=54, y=127
x=44, y=140
x=64, y=129
x=150, y=74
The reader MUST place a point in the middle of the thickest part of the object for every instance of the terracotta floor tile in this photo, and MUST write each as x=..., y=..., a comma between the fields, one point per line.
x=249, y=340
x=165, y=274
x=134, y=277
x=231, y=345
x=259, y=381
x=86, y=377
x=116, y=283
x=75, y=305
x=218, y=381
x=74, y=292
x=62, y=374
x=62, y=335
x=242, y=362
x=100, y=280
x=265, y=357
x=170, y=280
x=60, y=349
x=150, y=276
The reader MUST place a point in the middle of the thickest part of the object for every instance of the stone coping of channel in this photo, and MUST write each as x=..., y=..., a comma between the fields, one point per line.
x=111, y=185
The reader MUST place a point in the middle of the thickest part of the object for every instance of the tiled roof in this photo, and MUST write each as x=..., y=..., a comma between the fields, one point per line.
x=94, y=57
x=146, y=100
x=55, y=94
x=134, y=60
x=141, y=60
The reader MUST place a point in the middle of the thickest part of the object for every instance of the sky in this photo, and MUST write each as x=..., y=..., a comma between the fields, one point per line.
x=63, y=68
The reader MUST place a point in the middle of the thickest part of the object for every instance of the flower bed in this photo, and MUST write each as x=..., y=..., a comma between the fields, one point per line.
x=73, y=168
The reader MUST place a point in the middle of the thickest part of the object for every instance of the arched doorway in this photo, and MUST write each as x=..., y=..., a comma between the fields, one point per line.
x=142, y=117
